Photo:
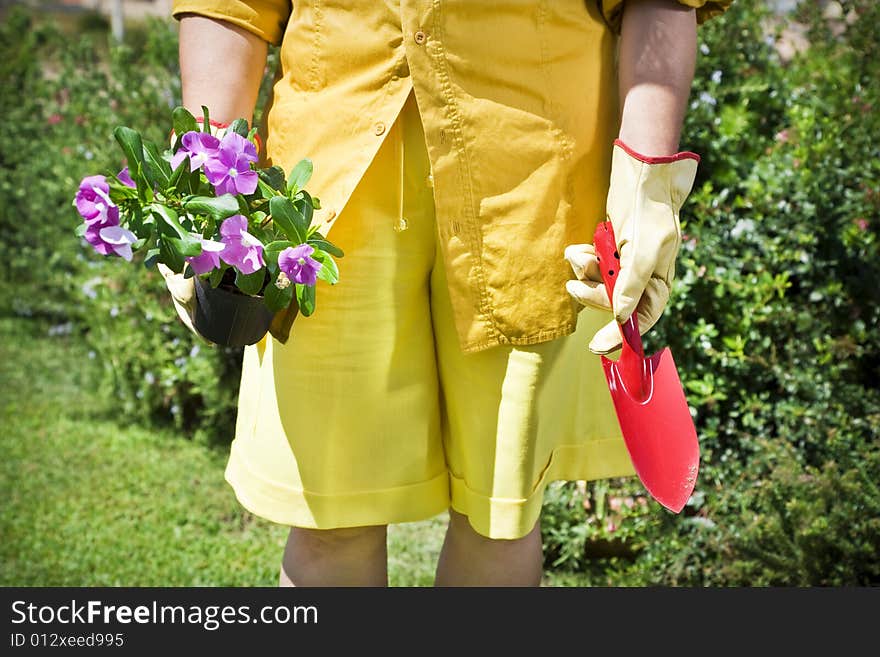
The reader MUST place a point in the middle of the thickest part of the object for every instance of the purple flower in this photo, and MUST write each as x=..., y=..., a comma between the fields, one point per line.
x=125, y=178
x=111, y=239
x=209, y=258
x=230, y=171
x=97, y=210
x=241, y=249
x=101, y=217
x=93, y=201
x=201, y=147
x=298, y=265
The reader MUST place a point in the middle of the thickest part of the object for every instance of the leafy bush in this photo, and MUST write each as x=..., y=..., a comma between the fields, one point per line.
x=774, y=322
x=63, y=98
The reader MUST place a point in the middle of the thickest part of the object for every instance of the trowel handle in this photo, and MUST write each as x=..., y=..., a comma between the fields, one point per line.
x=609, y=264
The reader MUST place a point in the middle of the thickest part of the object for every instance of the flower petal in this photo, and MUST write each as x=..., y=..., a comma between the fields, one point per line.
x=199, y=142
x=205, y=262
x=104, y=195
x=125, y=177
x=233, y=226
x=249, y=240
x=117, y=235
x=235, y=143
x=123, y=251
x=90, y=182
x=211, y=246
x=246, y=182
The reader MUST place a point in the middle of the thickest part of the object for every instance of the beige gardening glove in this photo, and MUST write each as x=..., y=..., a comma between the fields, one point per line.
x=644, y=198
x=183, y=295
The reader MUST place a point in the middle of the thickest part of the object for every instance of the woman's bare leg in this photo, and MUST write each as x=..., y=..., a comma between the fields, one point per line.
x=355, y=556
x=470, y=559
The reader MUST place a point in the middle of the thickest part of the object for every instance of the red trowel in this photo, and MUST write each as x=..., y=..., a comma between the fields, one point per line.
x=651, y=407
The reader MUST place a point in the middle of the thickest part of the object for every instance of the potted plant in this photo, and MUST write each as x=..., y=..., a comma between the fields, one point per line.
x=205, y=209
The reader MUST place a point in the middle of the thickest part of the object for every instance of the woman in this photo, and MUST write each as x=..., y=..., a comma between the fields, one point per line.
x=460, y=149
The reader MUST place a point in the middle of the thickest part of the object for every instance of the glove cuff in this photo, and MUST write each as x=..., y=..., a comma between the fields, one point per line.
x=658, y=159
x=665, y=179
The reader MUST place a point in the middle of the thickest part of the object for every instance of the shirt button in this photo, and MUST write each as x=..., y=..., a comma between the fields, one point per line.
x=420, y=37
x=429, y=180
x=379, y=128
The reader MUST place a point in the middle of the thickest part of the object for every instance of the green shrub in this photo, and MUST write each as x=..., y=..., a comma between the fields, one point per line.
x=774, y=321
x=63, y=97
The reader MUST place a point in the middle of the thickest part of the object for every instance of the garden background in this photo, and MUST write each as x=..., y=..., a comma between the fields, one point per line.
x=116, y=423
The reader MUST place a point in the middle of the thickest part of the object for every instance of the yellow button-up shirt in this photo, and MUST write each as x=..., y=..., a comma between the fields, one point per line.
x=519, y=104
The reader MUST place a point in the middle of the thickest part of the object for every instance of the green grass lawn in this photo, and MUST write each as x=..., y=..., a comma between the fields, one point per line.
x=89, y=501
x=92, y=501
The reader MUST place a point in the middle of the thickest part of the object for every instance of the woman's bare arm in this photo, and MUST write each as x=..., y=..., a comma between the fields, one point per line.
x=221, y=66
x=658, y=49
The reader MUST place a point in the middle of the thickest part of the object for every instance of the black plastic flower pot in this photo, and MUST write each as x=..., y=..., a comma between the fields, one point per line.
x=230, y=318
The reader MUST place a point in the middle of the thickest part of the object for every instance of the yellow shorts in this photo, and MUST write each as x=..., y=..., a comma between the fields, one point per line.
x=371, y=414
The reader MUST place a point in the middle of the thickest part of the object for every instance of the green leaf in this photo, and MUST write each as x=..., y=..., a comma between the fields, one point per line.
x=169, y=254
x=137, y=223
x=183, y=121
x=151, y=258
x=250, y=283
x=131, y=143
x=307, y=208
x=277, y=299
x=266, y=189
x=243, y=207
x=169, y=219
x=320, y=243
x=305, y=297
x=193, y=183
x=118, y=191
x=206, y=120
x=80, y=230
x=240, y=127
x=299, y=176
x=186, y=247
x=216, y=276
x=288, y=218
x=177, y=178
x=157, y=168
x=278, y=246
x=133, y=147
x=173, y=234
x=274, y=177
x=329, y=271
x=218, y=207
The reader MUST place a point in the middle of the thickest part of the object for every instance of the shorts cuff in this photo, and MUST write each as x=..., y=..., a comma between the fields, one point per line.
x=302, y=508
x=511, y=518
